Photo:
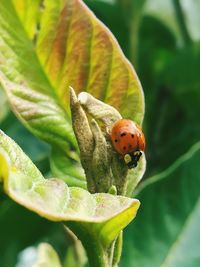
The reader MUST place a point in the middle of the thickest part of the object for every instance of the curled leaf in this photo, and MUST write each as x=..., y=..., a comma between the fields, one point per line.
x=84, y=138
x=135, y=175
x=99, y=110
x=105, y=214
x=101, y=160
x=104, y=167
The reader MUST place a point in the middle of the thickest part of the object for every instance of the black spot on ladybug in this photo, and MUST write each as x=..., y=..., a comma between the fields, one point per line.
x=132, y=135
x=123, y=134
x=116, y=140
x=129, y=146
x=124, y=147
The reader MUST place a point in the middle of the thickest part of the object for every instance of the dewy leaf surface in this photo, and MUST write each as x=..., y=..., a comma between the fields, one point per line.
x=53, y=199
x=166, y=232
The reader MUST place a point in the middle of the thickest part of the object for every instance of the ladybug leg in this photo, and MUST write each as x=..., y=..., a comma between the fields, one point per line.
x=127, y=158
x=137, y=154
x=130, y=161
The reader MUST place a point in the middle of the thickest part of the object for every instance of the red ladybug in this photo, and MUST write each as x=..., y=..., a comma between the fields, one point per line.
x=128, y=140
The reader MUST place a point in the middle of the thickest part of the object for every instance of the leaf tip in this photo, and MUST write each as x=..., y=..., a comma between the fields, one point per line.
x=133, y=208
x=73, y=98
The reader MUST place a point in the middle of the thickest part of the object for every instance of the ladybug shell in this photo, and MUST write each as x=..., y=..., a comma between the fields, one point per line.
x=127, y=137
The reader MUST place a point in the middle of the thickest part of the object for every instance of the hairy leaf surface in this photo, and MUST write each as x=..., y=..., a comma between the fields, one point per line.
x=103, y=214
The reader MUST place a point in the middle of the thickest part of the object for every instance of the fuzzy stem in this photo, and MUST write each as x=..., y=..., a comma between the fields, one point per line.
x=117, y=250
x=97, y=254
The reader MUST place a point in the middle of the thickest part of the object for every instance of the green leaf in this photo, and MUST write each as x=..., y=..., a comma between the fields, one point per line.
x=102, y=215
x=38, y=151
x=54, y=46
x=63, y=168
x=135, y=175
x=179, y=84
x=166, y=232
x=47, y=257
x=40, y=114
x=186, y=79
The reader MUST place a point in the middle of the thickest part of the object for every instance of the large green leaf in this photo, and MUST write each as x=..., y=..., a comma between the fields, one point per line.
x=172, y=74
x=102, y=214
x=178, y=88
x=166, y=232
x=48, y=46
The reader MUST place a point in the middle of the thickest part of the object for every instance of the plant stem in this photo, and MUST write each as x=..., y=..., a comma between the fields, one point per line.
x=111, y=252
x=181, y=22
x=118, y=250
x=97, y=254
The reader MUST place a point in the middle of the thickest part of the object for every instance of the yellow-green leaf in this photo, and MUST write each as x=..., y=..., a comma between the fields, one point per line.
x=47, y=46
x=102, y=214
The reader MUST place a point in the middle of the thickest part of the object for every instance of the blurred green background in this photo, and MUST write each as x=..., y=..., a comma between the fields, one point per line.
x=162, y=40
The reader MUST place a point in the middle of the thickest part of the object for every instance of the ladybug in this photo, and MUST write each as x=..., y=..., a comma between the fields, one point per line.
x=128, y=140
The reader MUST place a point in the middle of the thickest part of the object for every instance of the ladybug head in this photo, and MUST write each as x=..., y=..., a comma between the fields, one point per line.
x=132, y=159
